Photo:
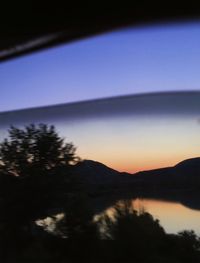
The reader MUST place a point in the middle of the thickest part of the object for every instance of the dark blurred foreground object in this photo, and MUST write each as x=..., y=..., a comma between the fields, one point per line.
x=38, y=181
x=28, y=27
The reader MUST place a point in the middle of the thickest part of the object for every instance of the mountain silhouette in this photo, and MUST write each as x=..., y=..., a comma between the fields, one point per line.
x=190, y=163
x=189, y=168
x=185, y=173
x=97, y=173
x=179, y=183
x=182, y=175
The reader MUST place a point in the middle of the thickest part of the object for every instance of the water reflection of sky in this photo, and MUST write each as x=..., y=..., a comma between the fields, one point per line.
x=174, y=217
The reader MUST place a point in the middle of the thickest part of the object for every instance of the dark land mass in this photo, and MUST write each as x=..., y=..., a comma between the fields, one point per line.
x=103, y=186
x=183, y=175
x=40, y=177
x=89, y=188
x=180, y=183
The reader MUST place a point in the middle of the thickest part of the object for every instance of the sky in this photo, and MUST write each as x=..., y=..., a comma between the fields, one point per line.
x=128, y=134
x=134, y=60
x=136, y=143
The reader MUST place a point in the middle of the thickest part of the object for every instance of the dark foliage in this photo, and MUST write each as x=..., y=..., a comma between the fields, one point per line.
x=34, y=149
x=37, y=180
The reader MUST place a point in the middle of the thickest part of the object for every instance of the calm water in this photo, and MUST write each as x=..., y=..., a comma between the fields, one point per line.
x=173, y=216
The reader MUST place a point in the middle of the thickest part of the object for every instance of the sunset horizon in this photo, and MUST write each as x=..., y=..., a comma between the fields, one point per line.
x=133, y=171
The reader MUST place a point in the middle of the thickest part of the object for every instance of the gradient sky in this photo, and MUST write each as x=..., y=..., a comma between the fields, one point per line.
x=149, y=132
x=145, y=132
x=144, y=59
x=136, y=143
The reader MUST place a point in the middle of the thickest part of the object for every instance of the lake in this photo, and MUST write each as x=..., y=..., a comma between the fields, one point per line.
x=173, y=216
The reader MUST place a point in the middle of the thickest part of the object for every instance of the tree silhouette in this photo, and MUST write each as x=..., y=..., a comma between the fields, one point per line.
x=33, y=149
x=35, y=179
x=129, y=230
x=127, y=235
x=127, y=224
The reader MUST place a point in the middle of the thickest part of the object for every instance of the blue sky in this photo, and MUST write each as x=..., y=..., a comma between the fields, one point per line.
x=138, y=60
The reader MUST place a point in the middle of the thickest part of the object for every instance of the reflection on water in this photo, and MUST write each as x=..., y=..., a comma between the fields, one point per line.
x=49, y=223
x=173, y=216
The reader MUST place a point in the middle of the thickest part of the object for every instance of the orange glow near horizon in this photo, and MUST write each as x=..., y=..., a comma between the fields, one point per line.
x=134, y=168
x=136, y=143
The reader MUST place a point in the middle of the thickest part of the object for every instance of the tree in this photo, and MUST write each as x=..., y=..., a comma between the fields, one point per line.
x=30, y=154
x=35, y=148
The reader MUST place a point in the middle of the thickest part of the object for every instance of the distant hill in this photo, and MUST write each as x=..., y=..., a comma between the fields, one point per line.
x=183, y=174
x=179, y=183
x=97, y=173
